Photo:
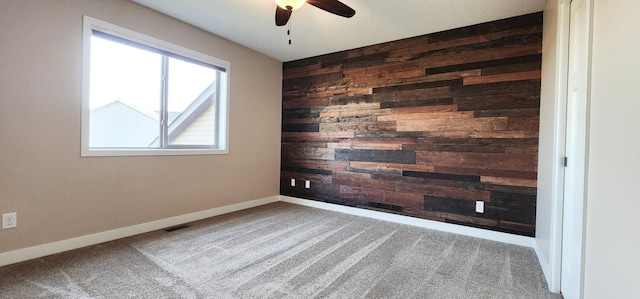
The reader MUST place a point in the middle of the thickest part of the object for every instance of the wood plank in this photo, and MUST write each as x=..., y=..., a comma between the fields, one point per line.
x=355, y=112
x=527, y=150
x=400, y=178
x=442, y=176
x=524, y=123
x=489, y=66
x=495, y=161
x=304, y=102
x=416, y=104
x=299, y=120
x=483, y=141
x=383, y=196
x=385, y=69
x=483, y=134
x=372, y=80
x=389, y=166
x=482, y=55
x=426, y=116
x=310, y=70
x=453, y=124
x=443, y=191
x=370, y=146
x=455, y=148
x=400, y=93
x=358, y=180
x=315, y=80
x=308, y=153
x=392, y=140
x=527, y=112
x=357, y=126
x=352, y=106
x=436, y=78
x=317, y=164
x=311, y=127
x=509, y=181
x=315, y=136
x=386, y=156
x=327, y=91
x=502, y=78
x=513, y=68
x=352, y=118
x=341, y=100
x=426, y=109
x=293, y=144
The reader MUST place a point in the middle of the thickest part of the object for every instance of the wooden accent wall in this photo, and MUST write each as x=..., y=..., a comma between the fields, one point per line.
x=423, y=127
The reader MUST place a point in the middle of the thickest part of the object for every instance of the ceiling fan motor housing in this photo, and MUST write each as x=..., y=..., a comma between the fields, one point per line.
x=290, y=4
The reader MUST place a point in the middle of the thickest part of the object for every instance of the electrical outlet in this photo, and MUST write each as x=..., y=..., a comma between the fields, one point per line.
x=9, y=220
x=480, y=207
x=293, y=182
x=307, y=184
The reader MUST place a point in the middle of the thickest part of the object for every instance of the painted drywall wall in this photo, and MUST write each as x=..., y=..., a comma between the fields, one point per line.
x=59, y=195
x=612, y=262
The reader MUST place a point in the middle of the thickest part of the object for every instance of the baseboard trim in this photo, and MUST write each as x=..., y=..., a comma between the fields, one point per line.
x=34, y=252
x=435, y=225
x=29, y=253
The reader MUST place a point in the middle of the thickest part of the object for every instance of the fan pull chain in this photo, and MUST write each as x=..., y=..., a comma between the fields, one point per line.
x=289, y=32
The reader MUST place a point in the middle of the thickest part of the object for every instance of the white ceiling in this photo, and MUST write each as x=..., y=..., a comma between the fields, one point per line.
x=315, y=32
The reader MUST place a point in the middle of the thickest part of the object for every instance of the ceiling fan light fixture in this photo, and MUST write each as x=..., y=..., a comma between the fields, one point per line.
x=294, y=4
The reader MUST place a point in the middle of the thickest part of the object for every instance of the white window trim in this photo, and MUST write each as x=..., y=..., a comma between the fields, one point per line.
x=222, y=141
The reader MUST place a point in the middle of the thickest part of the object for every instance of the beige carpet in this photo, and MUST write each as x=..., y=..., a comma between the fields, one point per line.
x=284, y=251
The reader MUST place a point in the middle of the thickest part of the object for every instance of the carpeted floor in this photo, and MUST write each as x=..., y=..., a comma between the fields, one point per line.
x=284, y=251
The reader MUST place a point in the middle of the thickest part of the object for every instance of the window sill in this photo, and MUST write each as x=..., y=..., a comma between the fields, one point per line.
x=150, y=152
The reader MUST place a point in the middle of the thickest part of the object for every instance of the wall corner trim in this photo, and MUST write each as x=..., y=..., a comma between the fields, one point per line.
x=20, y=255
x=413, y=221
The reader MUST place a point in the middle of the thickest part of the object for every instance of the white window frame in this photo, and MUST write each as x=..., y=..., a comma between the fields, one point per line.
x=222, y=113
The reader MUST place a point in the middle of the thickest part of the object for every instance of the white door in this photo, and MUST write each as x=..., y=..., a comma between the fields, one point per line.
x=574, y=182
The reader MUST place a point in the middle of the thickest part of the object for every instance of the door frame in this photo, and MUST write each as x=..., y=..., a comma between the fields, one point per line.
x=561, y=95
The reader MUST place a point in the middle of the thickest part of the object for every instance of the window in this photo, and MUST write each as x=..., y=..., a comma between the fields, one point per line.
x=144, y=96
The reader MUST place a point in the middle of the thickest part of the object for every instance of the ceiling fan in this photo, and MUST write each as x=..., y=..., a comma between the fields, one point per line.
x=286, y=7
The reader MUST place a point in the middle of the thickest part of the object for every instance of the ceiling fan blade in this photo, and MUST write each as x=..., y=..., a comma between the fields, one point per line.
x=282, y=16
x=333, y=6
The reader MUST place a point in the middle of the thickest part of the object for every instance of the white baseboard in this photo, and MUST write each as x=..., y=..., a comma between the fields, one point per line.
x=25, y=254
x=436, y=225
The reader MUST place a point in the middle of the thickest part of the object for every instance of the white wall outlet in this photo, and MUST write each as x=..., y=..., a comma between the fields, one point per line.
x=479, y=206
x=293, y=182
x=307, y=184
x=9, y=220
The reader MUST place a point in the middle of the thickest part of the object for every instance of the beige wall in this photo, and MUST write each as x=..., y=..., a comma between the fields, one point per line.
x=59, y=195
x=612, y=261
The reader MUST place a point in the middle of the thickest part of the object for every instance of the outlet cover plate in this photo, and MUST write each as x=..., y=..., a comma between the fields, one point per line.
x=9, y=220
x=480, y=207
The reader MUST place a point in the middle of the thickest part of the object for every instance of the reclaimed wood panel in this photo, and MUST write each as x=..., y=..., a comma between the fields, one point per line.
x=422, y=127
